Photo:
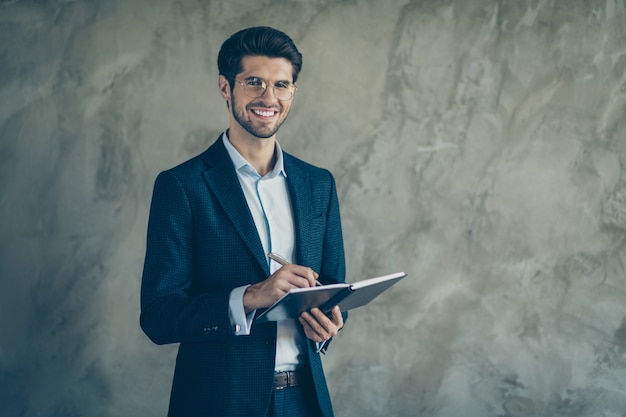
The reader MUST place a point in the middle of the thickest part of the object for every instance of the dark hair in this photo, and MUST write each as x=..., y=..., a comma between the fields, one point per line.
x=257, y=41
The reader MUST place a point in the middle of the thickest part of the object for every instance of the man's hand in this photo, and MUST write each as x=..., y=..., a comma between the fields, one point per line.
x=267, y=292
x=318, y=327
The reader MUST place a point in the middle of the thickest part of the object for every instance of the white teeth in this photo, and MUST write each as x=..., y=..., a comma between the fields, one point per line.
x=264, y=113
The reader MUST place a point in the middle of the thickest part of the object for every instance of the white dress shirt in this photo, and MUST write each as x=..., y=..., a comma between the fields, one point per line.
x=269, y=203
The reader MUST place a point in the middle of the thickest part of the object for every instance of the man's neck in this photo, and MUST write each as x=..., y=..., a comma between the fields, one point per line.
x=259, y=152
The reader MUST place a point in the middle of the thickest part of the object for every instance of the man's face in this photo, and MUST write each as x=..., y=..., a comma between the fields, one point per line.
x=262, y=116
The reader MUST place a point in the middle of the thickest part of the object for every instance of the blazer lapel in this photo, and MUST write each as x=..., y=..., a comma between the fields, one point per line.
x=300, y=191
x=221, y=178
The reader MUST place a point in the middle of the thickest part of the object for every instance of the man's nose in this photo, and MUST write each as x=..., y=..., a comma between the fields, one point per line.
x=267, y=92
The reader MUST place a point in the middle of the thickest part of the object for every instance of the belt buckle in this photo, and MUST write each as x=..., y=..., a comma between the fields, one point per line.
x=282, y=380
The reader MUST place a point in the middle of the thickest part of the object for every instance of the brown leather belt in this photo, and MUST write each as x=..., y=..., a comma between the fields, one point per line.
x=286, y=379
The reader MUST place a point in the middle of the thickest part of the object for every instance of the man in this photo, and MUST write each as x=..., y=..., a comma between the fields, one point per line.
x=213, y=221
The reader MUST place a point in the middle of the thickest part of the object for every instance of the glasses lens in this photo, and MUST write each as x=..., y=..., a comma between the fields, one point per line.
x=283, y=93
x=254, y=90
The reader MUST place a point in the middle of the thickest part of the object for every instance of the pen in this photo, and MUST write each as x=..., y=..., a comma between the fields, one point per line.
x=281, y=260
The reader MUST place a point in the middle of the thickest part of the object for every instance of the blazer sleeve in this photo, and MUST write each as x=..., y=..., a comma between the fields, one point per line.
x=170, y=311
x=333, y=259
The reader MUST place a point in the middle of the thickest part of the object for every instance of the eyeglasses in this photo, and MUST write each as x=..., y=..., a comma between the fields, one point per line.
x=255, y=87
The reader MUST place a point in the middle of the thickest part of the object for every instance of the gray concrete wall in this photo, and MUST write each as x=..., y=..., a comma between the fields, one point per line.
x=478, y=145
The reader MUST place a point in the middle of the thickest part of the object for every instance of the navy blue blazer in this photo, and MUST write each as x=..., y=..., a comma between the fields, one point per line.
x=202, y=242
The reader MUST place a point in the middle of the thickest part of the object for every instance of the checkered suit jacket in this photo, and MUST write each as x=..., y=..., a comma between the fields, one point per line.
x=202, y=242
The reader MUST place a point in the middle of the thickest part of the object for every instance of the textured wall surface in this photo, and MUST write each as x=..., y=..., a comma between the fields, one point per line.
x=479, y=145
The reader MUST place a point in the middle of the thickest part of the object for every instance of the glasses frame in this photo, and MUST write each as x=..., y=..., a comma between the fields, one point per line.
x=264, y=86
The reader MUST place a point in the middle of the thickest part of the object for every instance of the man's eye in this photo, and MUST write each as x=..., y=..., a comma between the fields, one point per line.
x=283, y=85
x=254, y=82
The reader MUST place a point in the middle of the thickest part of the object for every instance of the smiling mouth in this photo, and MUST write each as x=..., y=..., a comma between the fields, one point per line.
x=264, y=113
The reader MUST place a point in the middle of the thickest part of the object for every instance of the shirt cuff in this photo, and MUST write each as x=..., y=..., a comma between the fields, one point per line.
x=240, y=321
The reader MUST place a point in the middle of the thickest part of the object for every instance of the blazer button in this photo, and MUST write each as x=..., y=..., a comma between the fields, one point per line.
x=269, y=342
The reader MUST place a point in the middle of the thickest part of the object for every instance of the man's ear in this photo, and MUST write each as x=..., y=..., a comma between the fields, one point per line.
x=224, y=87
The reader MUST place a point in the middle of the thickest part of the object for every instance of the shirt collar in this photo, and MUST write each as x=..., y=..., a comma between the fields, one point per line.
x=241, y=163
